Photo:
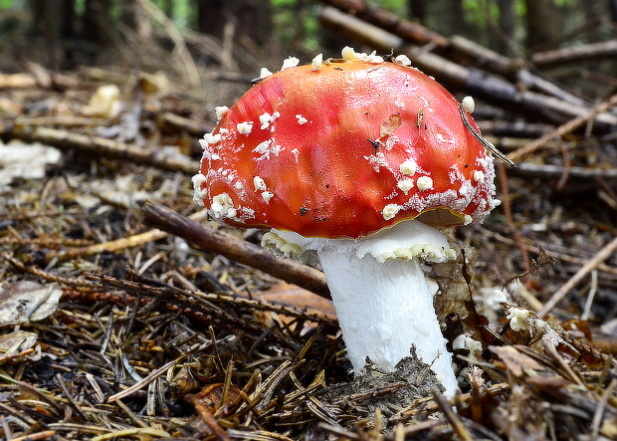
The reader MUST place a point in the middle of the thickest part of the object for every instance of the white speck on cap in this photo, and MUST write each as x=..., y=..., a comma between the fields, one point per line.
x=199, y=193
x=296, y=154
x=266, y=148
x=478, y=176
x=222, y=206
x=372, y=58
x=466, y=190
x=263, y=147
x=317, y=62
x=402, y=60
x=469, y=105
x=265, y=119
x=212, y=139
x=409, y=167
x=390, y=210
x=405, y=185
x=245, y=127
x=349, y=54
x=267, y=195
x=264, y=73
x=424, y=183
x=220, y=111
x=290, y=63
x=259, y=183
x=301, y=120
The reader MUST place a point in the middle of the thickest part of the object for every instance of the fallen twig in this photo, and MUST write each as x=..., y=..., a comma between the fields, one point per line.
x=549, y=170
x=237, y=250
x=101, y=147
x=602, y=255
x=564, y=129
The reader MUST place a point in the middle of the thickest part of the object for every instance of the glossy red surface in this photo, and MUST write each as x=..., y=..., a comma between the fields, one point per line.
x=330, y=160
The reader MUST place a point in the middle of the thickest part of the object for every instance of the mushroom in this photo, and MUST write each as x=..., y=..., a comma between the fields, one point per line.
x=359, y=161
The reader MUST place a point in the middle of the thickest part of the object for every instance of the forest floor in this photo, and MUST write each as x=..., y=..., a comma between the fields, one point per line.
x=111, y=328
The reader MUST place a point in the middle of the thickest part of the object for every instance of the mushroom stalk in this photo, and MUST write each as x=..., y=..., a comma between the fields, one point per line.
x=385, y=308
x=382, y=300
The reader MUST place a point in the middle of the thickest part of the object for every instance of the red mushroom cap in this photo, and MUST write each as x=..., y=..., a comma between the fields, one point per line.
x=344, y=151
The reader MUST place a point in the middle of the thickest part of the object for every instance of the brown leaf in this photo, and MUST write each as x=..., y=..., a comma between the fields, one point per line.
x=26, y=301
x=515, y=361
x=291, y=295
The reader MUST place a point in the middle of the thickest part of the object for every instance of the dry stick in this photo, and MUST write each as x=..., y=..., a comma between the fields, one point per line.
x=36, y=436
x=104, y=148
x=564, y=129
x=602, y=255
x=237, y=250
x=115, y=245
x=453, y=419
x=143, y=383
x=599, y=414
x=209, y=419
x=110, y=247
x=575, y=54
x=555, y=171
x=390, y=21
x=557, y=254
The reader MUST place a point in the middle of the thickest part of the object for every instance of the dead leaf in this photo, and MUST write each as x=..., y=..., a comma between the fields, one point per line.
x=516, y=362
x=26, y=301
x=17, y=341
x=294, y=296
x=26, y=161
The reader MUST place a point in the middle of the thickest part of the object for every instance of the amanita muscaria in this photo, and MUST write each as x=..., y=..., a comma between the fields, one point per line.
x=357, y=160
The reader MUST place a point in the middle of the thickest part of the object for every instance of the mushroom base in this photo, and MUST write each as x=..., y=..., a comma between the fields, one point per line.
x=384, y=309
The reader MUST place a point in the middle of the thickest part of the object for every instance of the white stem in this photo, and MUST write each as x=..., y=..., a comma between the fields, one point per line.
x=382, y=300
x=384, y=308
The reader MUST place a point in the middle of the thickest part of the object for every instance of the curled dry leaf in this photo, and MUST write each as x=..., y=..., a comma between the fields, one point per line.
x=26, y=301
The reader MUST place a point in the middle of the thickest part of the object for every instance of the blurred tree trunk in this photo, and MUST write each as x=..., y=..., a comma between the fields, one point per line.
x=54, y=20
x=590, y=9
x=506, y=43
x=542, y=22
x=613, y=7
x=46, y=18
x=97, y=25
x=456, y=23
x=416, y=10
x=69, y=16
x=251, y=19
